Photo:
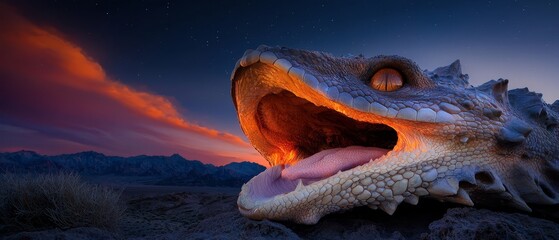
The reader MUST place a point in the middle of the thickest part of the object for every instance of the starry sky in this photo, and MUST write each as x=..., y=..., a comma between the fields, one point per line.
x=152, y=77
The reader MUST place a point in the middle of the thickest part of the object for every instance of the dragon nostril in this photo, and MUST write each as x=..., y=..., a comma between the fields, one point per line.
x=485, y=178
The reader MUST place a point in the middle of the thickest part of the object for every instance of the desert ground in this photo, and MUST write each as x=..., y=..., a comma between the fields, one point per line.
x=170, y=212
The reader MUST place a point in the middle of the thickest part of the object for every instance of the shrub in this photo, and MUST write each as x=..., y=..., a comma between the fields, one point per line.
x=32, y=202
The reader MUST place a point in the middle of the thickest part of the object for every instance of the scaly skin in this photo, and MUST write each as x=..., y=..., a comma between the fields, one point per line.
x=480, y=145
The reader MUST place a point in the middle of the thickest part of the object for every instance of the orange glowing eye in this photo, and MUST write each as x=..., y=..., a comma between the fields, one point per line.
x=387, y=80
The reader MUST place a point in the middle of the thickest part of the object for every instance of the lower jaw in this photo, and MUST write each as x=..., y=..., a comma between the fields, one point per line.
x=282, y=179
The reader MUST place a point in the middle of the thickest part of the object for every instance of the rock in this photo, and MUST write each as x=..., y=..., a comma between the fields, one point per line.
x=471, y=223
x=86, y=233
x=230, y=225
x=214, y=215
x=196, y=216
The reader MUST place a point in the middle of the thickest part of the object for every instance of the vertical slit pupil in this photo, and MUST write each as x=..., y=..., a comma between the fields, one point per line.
x=386, y=80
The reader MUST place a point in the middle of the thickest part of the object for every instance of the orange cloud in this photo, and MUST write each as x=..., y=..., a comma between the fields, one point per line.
x=56, y=99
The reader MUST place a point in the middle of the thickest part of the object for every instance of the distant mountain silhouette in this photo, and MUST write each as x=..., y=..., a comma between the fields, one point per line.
x=159, y=170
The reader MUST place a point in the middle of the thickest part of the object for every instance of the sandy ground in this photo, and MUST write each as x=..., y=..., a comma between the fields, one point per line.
x=165, y=212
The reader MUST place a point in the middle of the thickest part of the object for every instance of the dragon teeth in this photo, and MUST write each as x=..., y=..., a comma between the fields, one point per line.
x=444, y=187
x=462, y=197
x=468, y=177
x=492, y=183
x=465, y=197
x=518, y=203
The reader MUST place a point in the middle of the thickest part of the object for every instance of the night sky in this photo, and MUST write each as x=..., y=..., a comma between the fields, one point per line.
x=165, y=65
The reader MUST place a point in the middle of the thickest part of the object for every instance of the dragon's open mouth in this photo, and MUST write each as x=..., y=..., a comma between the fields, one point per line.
x=313, y=143
x=347, y=132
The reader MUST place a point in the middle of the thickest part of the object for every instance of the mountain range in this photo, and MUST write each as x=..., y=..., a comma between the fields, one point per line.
x=158, y=170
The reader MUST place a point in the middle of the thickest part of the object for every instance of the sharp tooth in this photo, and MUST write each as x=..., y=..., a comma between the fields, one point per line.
x=495, y=185
x=465, y=197
x=516, y=201
x=444, y=187
x=520, y=204
x=389, y=207
x=462, y=197
x=300, y=185
x=412, y=199
x=468, y=176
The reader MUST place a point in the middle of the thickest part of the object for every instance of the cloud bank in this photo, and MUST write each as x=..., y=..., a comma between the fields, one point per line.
x=55, y=99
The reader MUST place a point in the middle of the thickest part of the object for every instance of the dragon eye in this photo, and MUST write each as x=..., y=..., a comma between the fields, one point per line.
x=387, y=80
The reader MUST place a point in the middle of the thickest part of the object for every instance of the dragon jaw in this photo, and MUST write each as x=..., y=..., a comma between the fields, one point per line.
x=334, y=143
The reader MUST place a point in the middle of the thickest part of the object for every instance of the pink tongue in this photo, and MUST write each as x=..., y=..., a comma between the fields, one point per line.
x=329, y=162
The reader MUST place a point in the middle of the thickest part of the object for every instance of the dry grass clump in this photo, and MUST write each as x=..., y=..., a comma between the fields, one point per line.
x=32, y=202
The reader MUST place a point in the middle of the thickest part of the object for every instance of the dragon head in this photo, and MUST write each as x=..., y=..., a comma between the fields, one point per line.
x=353, y=131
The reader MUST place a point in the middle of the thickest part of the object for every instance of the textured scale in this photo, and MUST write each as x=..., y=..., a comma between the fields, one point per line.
x=483, y=146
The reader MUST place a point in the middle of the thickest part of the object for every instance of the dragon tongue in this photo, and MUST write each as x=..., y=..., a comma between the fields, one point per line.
x=328, y=162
